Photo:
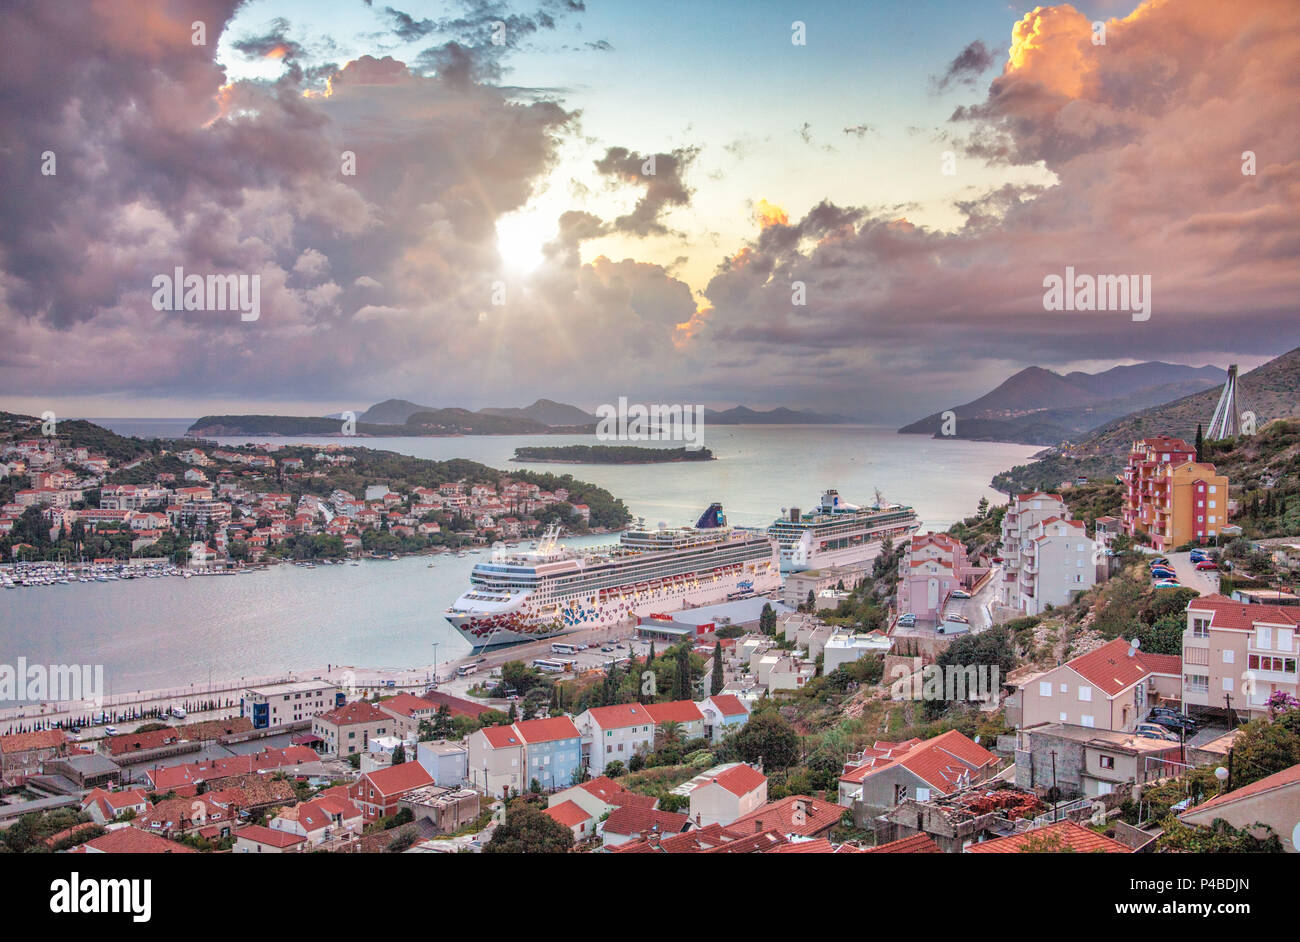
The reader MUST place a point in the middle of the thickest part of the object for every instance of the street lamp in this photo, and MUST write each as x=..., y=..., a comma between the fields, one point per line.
x=1222, y=775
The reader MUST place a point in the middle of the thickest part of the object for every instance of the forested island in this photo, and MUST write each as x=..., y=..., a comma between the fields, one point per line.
x=609, y=454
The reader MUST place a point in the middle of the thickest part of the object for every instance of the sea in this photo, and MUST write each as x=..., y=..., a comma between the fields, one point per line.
x=153, y=633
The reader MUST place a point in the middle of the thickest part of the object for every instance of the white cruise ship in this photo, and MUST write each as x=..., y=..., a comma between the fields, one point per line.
x=839, y=533
x=518, y=596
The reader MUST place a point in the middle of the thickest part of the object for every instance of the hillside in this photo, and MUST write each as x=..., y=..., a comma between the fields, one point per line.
x=547, y=412
x=743, y=415
x=464, y=422
x=1040, y=407
x=393, y=412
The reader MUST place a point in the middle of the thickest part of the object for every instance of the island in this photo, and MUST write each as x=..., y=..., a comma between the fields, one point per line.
x=609, y=454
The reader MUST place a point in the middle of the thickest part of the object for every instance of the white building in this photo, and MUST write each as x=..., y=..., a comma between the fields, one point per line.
x=1058, y=561
x=277, y=704
x=845, y=648
x=724, y=793
x=614, y=733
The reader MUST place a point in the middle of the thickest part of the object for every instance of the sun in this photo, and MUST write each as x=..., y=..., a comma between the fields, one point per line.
x=520, y=237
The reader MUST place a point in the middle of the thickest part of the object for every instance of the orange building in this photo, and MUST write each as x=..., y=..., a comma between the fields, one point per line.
x=1170, y=496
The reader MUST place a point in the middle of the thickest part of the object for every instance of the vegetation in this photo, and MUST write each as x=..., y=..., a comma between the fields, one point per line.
x=527, y=829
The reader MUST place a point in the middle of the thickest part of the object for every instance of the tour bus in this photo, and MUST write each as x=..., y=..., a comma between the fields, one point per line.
x=561, y=647
x=551, y=665
x=466, y=669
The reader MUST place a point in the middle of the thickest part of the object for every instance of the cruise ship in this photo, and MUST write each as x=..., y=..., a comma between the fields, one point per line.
x=838, y=533
x=517, y=596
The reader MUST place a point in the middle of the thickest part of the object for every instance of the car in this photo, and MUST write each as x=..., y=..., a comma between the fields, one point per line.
x=606, y=649
x=580, y=646
x=952, y=627
x=1196, y=557
x=1156, y=732
x=1159, y=561
x=1168, y=584
x=955, y=616
x=481, y=660
x=1163, y=574
x=76, y=731
x=1176, y=722
x=960, y=594
x=110, y=730
x=1207, y=565
x=907, y=621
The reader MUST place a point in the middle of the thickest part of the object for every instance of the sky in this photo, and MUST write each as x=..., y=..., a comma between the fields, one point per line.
x=853, y=206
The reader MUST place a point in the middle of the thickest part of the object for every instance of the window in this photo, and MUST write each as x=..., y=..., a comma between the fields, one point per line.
x=1227, y=683
x=1065, y=688
x=1044, y=688
x=923, y=794
x=1064, y=716
x=1228, y=655
x=1087, y=720
x=1200, y=627
x=1106, y=762
x=1263, y=637
x=1085, y=694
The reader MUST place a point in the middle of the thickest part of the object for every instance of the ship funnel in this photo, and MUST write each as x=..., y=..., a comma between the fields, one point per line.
x=711, y=518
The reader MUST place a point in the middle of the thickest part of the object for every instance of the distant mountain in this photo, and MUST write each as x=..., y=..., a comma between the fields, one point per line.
x=1040, y=407
x=393, y=412
x=1271, y=391
x=464, y=422
x=547, y=412
x=743, y=415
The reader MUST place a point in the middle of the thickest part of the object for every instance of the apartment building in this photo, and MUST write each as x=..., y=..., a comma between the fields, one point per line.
x=290, y=702
x=1024, y=514
x=933, y=565
x=1170, y=496
x=505, y=758
x=1058, y=560
x=611, y=733
x=1237, y=655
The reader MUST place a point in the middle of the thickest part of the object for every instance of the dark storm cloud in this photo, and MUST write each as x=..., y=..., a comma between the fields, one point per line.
x=664, y=187
x=970, y=64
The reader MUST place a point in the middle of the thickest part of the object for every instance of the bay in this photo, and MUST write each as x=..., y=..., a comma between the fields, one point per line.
x=164, y=632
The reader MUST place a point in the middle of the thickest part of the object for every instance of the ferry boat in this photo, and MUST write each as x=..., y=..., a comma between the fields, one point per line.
x=527, y=595
x=838, y=533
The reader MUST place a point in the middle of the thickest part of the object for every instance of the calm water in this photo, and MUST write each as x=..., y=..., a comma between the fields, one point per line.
x=159, y=632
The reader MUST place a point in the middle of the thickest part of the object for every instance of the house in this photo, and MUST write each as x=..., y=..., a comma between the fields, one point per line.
x=1171, y=497
x=1024, y=513
x=933, y=565
x=1058, y=561
x=1111, y=687
x=378, y=792
x=724, y=793
x=174, y=817
x=185, y=779
x=289, y=702
x=599, y=797
x=579, y=822
x=1061, y=837
x=920, y=770
x=446, y=761
x=407, y=710
x=685, y=713
x=844, y=647
x=439, y=810
x=723, y=713
x=1239, y=655
x=23, y=753
x=547, y=752
x=794, y=817
x=1273, y=801
x=104, y=806
x=633, y=823
x=916, y=844
x=347, y=730
x=614, y=733
x=258, y=839
x=329, y=818
x=1091, y=762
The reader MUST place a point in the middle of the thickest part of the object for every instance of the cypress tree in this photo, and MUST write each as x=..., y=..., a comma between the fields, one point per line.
x=1200, y=443
x=715, y=685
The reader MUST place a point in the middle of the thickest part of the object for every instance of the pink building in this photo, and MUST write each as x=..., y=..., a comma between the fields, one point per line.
x=933, y=565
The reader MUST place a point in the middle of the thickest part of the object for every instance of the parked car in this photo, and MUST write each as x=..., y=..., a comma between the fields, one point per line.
x=1163, y=574
x=956, y=616
x=1207, y=565
x=960, y=594
x=1168, y=584
x=1175, y=721
x=606, y=649
x=950, y=626
x=907, y=621
x=1159, y=561
x=110, y=730
x=1156, y=732
x=178, y=713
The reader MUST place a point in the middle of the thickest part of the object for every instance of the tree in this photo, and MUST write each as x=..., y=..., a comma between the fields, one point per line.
x=769, y=739
x=715, y=682
x=615, y=769
x=529, y=830
x=1200, y=443
x=399, y=754
x=767, y=618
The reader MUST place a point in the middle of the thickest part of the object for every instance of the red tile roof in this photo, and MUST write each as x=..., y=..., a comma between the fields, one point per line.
x=501, y=737
x=762, y=842
x=1076, y=838
x=629, y=820
x=550, y=729
x=26, y=742
x=408, y=704
x=398, y=779
x=940, y=762
x=795, y=814
x=620, y=716
x=612, y=793
x=568, y=813
x=350, y=714
x=1238, y=616
x=1281, y=779
x=729, y=704
x=916, y=844
x=457, y=705
x=675, y=711
x=740, y=779
x=1162, y=663
x=1109, y=667
x=816, y=846
x=134, y=841
x=269, y=836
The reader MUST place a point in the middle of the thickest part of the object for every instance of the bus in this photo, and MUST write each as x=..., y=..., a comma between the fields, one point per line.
x=466, y=669
x=561, y=647
x=552, y=666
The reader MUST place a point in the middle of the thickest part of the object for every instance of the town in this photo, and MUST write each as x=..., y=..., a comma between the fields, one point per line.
x=1130, y=646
